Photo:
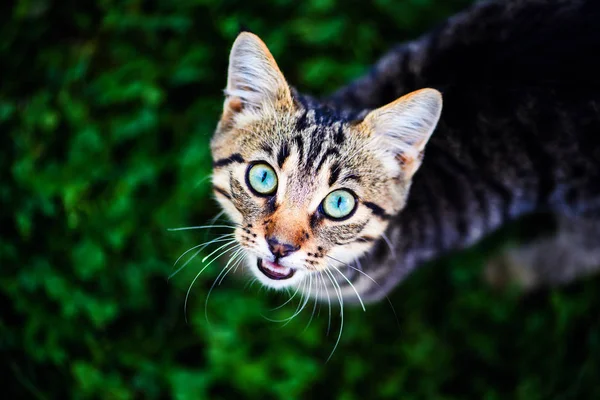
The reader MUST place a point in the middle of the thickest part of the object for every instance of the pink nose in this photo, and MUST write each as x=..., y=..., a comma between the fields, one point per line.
x=280, y=249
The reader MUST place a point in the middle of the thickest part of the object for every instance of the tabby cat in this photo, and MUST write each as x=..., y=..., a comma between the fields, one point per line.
x=353, y=192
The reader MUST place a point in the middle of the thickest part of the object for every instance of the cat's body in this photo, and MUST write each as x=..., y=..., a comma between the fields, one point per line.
x=519, y=133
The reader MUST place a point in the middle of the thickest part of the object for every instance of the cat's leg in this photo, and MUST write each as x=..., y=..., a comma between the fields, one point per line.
x=572, y=252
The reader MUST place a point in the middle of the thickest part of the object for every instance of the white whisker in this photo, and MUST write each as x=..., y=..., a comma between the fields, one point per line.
x=219, y=248
x=187, y=228
x=234, y=266
x=314, y=306
x=306, y=298
x=203, y=179
x=351, y=285
x=298, y=308
x=216, y=217
x=389, y=244
x=338, y=292
x=359, y=270
x=235, y=246
x=203, y=245
x=288, y=300
x=192, y=257
x=224, y=270
x=328, y=301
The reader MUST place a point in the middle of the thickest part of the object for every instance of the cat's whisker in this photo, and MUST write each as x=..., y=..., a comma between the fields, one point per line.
x=288, y=300
x=319, y=296
x=303, y=300
x=216, y=218
x=208, y=176
x=328, y=301
x=188, y=228
x=335, y=259
x=227, y=269
x=389, y=244
x=187, y=295
x=359, y=264
x=286, y=320
x=249, y=284
x=241, y=259
x=184, y=264
x=362, y=271
x=314, y=306
x=359, y=270
x=306, y=298
x=338, y=292
x=351, y=285
x=219, y=248
x=203, y=245
x=224, y=271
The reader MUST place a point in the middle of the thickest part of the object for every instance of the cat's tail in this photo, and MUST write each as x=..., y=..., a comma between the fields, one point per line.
x=513, y=43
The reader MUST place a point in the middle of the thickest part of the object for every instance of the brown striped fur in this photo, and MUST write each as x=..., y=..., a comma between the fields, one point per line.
x=519, y=135
x=313, y=153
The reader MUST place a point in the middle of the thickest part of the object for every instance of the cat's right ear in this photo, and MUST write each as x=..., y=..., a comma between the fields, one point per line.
x=254, y=79
x=403, y=127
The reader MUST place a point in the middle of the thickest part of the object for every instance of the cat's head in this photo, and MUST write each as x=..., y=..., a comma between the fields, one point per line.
x=306, y=186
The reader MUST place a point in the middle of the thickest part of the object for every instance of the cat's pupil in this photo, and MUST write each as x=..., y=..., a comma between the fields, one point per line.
x=339, y=202
x=264, y=176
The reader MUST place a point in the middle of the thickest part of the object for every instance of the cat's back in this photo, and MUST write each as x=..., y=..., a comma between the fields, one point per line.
x=522, y=98
x=544, y=42
x=499, y=44
x=521, y=87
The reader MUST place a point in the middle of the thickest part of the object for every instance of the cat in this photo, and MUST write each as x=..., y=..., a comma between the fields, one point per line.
x=491, y=116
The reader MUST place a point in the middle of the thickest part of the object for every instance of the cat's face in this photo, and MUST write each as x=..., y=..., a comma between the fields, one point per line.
x=309, y=190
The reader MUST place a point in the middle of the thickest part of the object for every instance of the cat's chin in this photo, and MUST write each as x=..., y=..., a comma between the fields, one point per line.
x=274, y=275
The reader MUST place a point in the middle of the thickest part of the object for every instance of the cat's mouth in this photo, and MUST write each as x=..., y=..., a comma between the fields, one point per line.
x=274, y=271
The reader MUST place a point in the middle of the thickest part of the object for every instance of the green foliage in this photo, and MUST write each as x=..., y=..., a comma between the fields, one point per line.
x=106, y=110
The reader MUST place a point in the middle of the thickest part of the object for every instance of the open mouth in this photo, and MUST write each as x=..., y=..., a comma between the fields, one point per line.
x=274, y=271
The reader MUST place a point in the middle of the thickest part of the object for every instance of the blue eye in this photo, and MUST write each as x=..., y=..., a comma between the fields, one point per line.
x=339, y=204
x=262, y=179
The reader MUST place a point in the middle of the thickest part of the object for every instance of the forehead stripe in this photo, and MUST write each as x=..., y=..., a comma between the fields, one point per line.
x=300, y=145
x=339, y=135
x=234, y=158
x=302, y=122
x=283, y=154
x=330, y=152
x=314, y=149
x=334, y=174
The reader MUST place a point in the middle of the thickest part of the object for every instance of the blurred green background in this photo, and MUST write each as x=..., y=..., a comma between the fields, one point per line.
x=106, y=110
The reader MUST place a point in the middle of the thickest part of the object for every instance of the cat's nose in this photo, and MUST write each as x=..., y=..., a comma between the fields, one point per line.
x=280, y=249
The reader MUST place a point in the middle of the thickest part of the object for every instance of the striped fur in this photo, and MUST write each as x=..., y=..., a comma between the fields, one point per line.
x=519, y=134
x=314, y=150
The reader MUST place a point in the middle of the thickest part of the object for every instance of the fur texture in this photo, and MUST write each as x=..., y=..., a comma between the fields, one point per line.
x=520, y=133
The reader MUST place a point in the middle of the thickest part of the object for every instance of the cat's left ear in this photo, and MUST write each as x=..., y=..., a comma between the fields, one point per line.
x=254, y=79
x=403, y=127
